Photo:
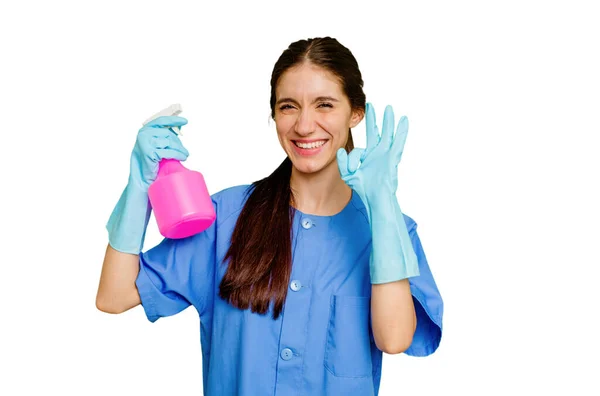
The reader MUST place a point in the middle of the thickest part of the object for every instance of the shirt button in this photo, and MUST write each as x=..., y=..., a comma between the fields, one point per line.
x=295, y=285
x=307, y=223
x=286, y=354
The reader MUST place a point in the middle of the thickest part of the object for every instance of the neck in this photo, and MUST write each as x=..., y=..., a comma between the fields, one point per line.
x=322, y=193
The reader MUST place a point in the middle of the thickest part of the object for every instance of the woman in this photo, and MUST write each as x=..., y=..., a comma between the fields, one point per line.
x=307, y=275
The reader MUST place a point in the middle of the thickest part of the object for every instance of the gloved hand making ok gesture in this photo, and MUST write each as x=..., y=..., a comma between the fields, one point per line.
x=373, y=174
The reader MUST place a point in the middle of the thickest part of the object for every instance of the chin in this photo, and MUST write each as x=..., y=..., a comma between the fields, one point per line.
x=308, y=166
x=313, y=165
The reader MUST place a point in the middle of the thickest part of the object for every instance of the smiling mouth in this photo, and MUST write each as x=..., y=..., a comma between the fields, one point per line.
x=311, y=145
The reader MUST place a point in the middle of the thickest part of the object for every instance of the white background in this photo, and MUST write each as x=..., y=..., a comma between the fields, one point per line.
x=500, y=171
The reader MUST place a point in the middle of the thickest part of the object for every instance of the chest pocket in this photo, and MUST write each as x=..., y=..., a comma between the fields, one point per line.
x=348, y=344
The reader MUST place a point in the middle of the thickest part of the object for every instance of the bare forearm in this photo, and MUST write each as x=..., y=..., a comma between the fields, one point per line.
x=117, y=291
x=393, y=317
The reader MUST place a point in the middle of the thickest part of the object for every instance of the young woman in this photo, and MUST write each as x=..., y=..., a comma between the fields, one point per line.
x=307, y=275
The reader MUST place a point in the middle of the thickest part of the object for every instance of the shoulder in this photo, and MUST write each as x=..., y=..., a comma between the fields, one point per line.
x=230, y=200
x=411, y=224
x=231, y=194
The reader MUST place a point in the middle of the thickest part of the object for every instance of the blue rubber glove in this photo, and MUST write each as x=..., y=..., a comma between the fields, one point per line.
x=373, y=174
x=128, y=222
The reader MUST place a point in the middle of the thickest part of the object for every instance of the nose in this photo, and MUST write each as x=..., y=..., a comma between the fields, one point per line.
x=305, y=123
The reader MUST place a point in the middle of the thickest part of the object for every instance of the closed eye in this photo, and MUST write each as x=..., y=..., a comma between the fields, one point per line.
x=287, y=106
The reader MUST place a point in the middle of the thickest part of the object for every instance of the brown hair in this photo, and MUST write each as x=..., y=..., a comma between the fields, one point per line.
x=260, y=252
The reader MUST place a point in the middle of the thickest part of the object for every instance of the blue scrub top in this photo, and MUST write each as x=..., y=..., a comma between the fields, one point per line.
x=323, y=343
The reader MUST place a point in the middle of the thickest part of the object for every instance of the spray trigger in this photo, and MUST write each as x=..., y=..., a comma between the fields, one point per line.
x=173, y=110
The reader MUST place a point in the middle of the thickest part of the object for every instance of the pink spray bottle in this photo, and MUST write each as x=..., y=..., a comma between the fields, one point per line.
x=179, y=197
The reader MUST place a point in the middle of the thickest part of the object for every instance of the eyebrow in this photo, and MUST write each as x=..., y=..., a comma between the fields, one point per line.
x=318, y=99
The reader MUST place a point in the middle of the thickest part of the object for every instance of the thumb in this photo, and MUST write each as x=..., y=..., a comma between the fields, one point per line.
x=354, y=159
x=342, y=161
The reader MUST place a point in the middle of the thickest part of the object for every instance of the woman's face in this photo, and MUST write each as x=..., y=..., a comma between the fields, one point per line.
x=313, y=116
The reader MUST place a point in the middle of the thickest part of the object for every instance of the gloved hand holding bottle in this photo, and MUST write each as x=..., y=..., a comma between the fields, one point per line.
x=376, y=182
x=129, y=219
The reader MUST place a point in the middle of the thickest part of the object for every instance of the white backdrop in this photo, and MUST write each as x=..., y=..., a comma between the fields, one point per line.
x=500, y=171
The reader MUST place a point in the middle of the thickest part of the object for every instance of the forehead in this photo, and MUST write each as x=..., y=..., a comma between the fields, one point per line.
x=308, y=80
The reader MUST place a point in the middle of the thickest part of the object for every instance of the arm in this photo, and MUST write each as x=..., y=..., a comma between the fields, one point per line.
x=127, y=224
x=407, y=314
x=393, y=316
x=373, y=173
x=393, y=261
x=117, y=291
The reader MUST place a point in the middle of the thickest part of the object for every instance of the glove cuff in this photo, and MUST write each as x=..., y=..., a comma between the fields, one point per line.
x=393, y=257
x=128, y=221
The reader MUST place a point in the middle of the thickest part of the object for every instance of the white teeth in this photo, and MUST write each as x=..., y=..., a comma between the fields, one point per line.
x=310, y=145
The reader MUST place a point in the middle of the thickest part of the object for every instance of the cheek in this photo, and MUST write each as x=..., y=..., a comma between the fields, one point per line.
x=280, y=136
x=335, y=124
x=284, y=125
x=283, y=131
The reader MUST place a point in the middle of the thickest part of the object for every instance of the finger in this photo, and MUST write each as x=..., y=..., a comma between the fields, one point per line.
x=161, y=142
x=342, y=161
x=400, y=138
x=167, y=121
x=387, y=129
x=177, y=145
x=170, y=154
x=354, y=159
x=169, y=142
x=371, y=126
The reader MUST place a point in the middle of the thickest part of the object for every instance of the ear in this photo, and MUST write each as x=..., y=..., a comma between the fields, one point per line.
x=356, y=118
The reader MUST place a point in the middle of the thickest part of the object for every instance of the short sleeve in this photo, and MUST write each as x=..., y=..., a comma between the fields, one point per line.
x=178, y=273
x=428, y=304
